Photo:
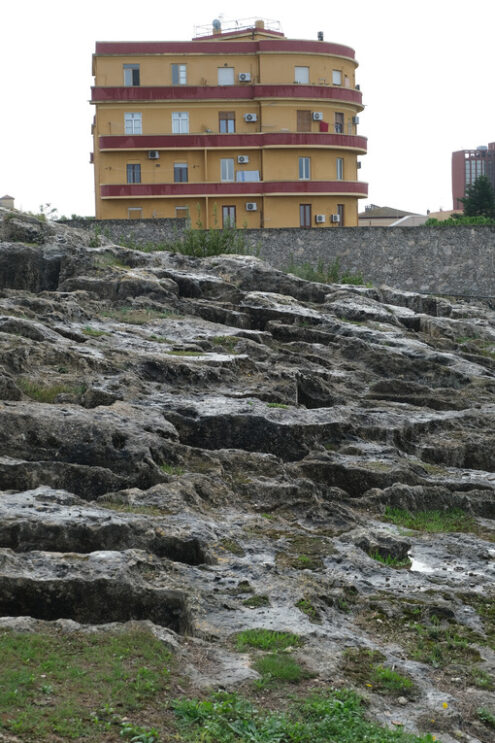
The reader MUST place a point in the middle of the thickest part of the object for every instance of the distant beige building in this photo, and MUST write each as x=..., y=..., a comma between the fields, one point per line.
x=386, y=216
x=7, y=202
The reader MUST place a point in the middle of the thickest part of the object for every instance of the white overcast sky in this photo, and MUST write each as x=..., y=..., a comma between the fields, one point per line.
x=425, y=70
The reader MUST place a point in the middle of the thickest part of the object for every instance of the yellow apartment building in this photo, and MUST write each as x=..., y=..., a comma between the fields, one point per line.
x=239, y=126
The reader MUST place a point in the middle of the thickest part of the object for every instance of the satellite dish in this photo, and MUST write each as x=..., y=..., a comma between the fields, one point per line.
x=217, y=25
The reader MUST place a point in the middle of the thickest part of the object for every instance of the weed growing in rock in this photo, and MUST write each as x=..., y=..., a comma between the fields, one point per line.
x=277, y=405
x=366, y=669
x=256, y=601
x=486, y=716
x=231, y=545
x=229, y=342
x=47, y=393
x=171, y=469
x=307, y=608
x=185, y=353
x=93, y=332
x=481, y=679
x=325, y=274
x=391, y=561
x=330, y=716
x=450, y=520
x=266, y=639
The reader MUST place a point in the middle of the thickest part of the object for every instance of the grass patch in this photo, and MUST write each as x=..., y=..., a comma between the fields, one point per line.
x=256, y=601
x=171, y=469
x=305, y=552
x=450, y=520
x=391, y=561
x=438, y=643
x=229, y=342
x=366, y=669
x=277, y=405
x=93, y=332
x=231, y=545
x=279, y=668
x=307, y=608
x=69, y=686
x=136, y=316
x=487, y=717
x=481, y=679
x=332, y=716
x=48, y=393
x=266, y=639
x=330, y=273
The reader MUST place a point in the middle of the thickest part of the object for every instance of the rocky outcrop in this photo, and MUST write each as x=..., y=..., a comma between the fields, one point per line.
x=173, y=430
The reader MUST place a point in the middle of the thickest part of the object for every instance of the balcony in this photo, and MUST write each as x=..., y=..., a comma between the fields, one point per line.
x=269, y=188
x=197, y=141
x=157, y=93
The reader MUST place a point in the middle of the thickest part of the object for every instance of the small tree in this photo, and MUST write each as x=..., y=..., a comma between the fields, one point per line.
x=479, y=200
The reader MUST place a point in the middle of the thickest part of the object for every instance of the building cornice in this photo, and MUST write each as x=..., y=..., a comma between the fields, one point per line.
x=212, y=46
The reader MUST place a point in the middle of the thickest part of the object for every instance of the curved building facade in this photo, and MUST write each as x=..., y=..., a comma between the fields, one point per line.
x=241, y=127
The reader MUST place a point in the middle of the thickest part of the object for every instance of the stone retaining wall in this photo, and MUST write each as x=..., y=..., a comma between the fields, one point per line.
x=439, y=260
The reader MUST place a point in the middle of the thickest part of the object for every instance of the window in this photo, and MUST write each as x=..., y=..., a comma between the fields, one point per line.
x=340, y=212
x=304, y=121
x=133, y=123
x=336, y=77
x=305, y=215
x=131, y=74
x=180, y=122
x=135, y=212
x=228, y=216
x=247, y=176
x=301, y=74
x=225, y=75
x=339, y=123
x=180, y=172
x=227, y=170
x=304, y=168
x=182, y=212
x=179, y=74
x=340, y=168
x=133, y=173
x=226, y=122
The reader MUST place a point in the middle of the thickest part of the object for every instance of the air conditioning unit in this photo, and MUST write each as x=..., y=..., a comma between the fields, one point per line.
x=250, y=117
x=355, y=119
x=251, y=206
x=153, y=155
x=335, y=217
x=244, y=77
x=320, y=218
x=242, y=159
x=317, y=116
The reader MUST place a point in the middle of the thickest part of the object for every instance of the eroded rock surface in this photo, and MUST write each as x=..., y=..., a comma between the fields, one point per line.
x=178, y=435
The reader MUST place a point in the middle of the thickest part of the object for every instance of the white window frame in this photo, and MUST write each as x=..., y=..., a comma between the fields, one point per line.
x=336, y=77
x=301, y=75
x=179, y=74
x=180, y=122
x=340, y=168
x=225, y=76
x=181, y=168
x=304, y=168
x=129, y=77
x=227, y=169
x=133, y=123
